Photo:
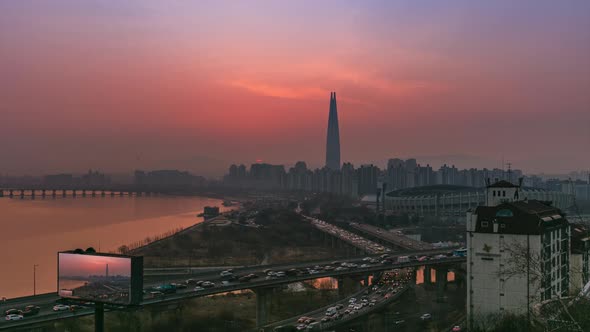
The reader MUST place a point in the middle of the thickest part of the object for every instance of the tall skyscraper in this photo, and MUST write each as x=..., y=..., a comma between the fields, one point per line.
x=333, y=140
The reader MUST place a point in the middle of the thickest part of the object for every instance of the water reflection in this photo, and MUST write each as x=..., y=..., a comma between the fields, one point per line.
x=40, y=228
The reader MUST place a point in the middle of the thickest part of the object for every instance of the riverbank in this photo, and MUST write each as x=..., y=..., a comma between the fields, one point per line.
x=273, y=236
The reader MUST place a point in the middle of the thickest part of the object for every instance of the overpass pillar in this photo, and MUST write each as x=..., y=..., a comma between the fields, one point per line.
x=349, y=284
x=263, y=302
x=441, y=283
x=427, y=275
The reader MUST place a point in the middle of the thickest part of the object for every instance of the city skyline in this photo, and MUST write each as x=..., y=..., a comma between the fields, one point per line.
x=173, y=86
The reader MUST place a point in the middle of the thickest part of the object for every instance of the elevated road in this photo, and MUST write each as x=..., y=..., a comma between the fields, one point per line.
x=394, y=239
x=368, y=299
x=46, y=301
x=362, y=243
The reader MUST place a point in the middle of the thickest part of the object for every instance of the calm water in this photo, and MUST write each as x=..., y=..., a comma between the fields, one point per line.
x=33, y=231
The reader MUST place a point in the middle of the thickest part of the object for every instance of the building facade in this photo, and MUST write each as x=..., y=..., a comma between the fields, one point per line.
x=518, y=253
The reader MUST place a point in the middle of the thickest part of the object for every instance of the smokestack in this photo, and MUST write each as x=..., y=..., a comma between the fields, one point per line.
x=107, y=272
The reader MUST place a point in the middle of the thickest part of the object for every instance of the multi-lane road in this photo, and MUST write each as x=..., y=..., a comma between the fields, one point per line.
x=298, y=272
x=374, y=297
x=395, y=238
x=355, y=240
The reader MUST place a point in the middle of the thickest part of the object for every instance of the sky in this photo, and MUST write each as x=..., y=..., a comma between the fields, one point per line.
x=197, y=85
x=73, y=265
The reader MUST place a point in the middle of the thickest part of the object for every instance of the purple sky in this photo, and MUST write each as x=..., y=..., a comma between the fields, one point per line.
x=119, y=85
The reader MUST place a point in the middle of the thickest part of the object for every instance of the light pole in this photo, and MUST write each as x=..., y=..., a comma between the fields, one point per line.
x=35, y=279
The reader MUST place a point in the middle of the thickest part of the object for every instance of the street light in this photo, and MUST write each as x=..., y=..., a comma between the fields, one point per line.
x=35, y=279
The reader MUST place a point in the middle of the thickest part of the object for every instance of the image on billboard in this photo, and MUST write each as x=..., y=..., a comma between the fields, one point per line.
x=97, y=278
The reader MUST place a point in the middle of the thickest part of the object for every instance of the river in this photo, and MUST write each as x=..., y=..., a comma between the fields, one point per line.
x=33, y=231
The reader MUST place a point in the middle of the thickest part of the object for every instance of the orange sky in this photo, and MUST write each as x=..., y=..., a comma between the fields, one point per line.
x=143, y=84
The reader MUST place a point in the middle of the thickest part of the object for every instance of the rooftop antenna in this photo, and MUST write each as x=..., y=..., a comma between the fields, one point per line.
x=509, y=172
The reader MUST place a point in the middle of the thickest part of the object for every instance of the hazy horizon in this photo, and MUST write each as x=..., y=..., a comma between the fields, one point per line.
x=197, y=86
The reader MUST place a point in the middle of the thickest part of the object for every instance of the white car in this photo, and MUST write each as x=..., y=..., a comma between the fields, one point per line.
x=61, y=307
x=14, y=317
x=426, y=317
x=198, y=288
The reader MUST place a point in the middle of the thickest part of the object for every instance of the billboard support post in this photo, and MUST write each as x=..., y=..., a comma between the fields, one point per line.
x=99, y=317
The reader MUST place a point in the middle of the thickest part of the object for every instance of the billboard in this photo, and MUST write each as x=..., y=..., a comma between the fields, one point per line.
x=103, y=278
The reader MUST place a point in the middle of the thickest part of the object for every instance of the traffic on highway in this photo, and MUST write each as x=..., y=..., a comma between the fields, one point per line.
x=356, y=240
x=386, y=289
x=48, y=307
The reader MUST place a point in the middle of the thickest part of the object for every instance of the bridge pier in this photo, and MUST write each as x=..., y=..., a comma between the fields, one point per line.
x=427, y=275
x=349, y=284
x=33, y=194
x=22, y=194
x=263, y=304
x=441, y=283
x=102, y=194
x=63, y=193
x=10, y=193
x=93, y=193
x=43, y=194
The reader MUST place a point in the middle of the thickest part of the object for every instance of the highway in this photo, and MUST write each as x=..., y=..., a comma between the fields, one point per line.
x=360, y=242
x=389, y=288
x=306, y=271
x=394, y=238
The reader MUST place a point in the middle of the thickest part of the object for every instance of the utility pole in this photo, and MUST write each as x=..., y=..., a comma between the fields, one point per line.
x=35, y=279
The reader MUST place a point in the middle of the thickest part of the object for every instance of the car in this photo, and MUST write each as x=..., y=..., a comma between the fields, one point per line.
x=352, y=300
x=399, y=322
x=207, y=284
x=302, y=319
x=75, y=307
x=14, y=317
x=61, y=307
x=190, y=281
x=456, y=328
x=179, y=286
x=301, y=327
x=13, y=312
x=31, y=310
x=426, y=317
x=198, y=288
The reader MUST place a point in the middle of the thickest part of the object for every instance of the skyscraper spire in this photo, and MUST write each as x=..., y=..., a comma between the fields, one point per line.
x=333, y=137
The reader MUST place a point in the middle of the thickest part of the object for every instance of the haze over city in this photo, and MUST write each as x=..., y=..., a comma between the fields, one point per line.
x=200, y=85
x=283, y=166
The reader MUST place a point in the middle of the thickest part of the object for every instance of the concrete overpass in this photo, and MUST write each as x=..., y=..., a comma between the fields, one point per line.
x=262, y=287
x=336, y=234
x=391, y=239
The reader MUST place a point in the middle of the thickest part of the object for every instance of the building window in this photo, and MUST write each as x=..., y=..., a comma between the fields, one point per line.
x=494, y=193
x=504, y=193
